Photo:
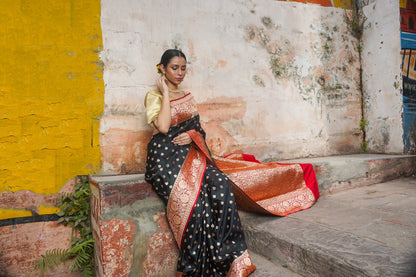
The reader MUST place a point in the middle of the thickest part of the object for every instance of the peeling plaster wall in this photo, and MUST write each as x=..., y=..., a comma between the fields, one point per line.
x=382, y=82
x=275, y=79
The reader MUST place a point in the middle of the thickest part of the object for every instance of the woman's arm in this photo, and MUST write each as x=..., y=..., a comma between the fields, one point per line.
x=162, y=122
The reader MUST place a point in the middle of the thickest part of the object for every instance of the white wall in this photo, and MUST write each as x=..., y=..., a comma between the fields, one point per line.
x=382, y=83
x=306, y=104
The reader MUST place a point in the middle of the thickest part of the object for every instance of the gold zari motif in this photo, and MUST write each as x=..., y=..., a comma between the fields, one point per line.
x=182, y=109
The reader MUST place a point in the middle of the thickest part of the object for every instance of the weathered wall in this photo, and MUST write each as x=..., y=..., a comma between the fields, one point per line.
x=51, y=96
x=382, y=82
x=275, y=79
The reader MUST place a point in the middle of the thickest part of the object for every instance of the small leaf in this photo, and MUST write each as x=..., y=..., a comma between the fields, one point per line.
x=61, y=213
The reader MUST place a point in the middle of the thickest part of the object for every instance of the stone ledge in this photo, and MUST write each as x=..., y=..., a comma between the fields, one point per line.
x=129, y=218
x=117, y=179
x=338, y=173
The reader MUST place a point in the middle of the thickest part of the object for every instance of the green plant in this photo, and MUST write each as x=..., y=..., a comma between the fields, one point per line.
x=363, y=124
x=326, y=47
x=355, y=20
x=364, y=146
x=74, y=212
x=364, y=142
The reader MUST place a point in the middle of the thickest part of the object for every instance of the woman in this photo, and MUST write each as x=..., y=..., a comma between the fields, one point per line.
x=199, y=192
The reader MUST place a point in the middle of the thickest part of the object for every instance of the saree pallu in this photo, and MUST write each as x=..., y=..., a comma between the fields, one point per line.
x=202, y=194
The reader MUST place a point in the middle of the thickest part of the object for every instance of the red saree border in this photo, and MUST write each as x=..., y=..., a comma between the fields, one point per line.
x=182, y=109
x=245, y=157
x=242, y=266
x=310, y=179
x=185, y=193
x=179, y=98
x=291, y=202
x=199, y=141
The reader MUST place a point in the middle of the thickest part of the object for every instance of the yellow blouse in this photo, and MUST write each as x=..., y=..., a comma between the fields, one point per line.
x=153, y=103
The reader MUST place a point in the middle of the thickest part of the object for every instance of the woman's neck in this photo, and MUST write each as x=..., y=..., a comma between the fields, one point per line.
x=172, y=87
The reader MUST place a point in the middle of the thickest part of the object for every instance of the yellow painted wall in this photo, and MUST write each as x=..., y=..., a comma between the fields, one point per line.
x=51, y=93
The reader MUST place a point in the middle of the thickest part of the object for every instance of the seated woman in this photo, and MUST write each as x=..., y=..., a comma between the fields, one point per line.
x=202, y=192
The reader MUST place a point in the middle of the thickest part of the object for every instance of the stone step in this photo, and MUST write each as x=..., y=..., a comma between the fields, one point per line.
x=338, y=173
x=128, y=204
x=266, y=268
x=365, y=231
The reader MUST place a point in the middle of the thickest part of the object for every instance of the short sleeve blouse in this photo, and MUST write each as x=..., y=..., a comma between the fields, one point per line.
x=153, y=104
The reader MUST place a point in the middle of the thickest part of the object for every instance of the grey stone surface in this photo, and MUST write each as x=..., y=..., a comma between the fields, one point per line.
x=365, y=231
x=266, y=268
x=357, y=228
x=337, y=173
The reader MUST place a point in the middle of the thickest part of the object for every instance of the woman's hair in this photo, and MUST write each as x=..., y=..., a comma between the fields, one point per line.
x=168, y=55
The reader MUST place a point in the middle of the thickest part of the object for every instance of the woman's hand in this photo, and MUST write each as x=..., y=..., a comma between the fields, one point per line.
x=182, y=139
x=162, y=86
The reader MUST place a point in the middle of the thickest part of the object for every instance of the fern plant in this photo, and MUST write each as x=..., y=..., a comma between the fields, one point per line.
x=74, y=212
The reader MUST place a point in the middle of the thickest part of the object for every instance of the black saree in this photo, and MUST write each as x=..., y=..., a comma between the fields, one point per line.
x=201, y=207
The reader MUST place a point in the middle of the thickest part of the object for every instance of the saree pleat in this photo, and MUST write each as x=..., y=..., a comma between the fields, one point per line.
x=202, y=194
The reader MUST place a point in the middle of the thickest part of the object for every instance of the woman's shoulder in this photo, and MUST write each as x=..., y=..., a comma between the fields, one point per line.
x=151, y=96
x=154, y=93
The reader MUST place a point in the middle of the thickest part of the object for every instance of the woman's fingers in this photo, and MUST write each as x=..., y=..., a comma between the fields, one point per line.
x=162, y=86
x=182, y=139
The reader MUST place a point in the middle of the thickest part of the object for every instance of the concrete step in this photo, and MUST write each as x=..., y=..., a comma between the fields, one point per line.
x=338, y=173
x=266, y=268
x=128, y=204
x=365, y=231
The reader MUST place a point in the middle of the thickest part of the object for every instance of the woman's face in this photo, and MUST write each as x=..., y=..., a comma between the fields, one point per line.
x=175, y=71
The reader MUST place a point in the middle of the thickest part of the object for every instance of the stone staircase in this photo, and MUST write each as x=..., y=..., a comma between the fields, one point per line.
x=368, y=231
x=364, y=224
